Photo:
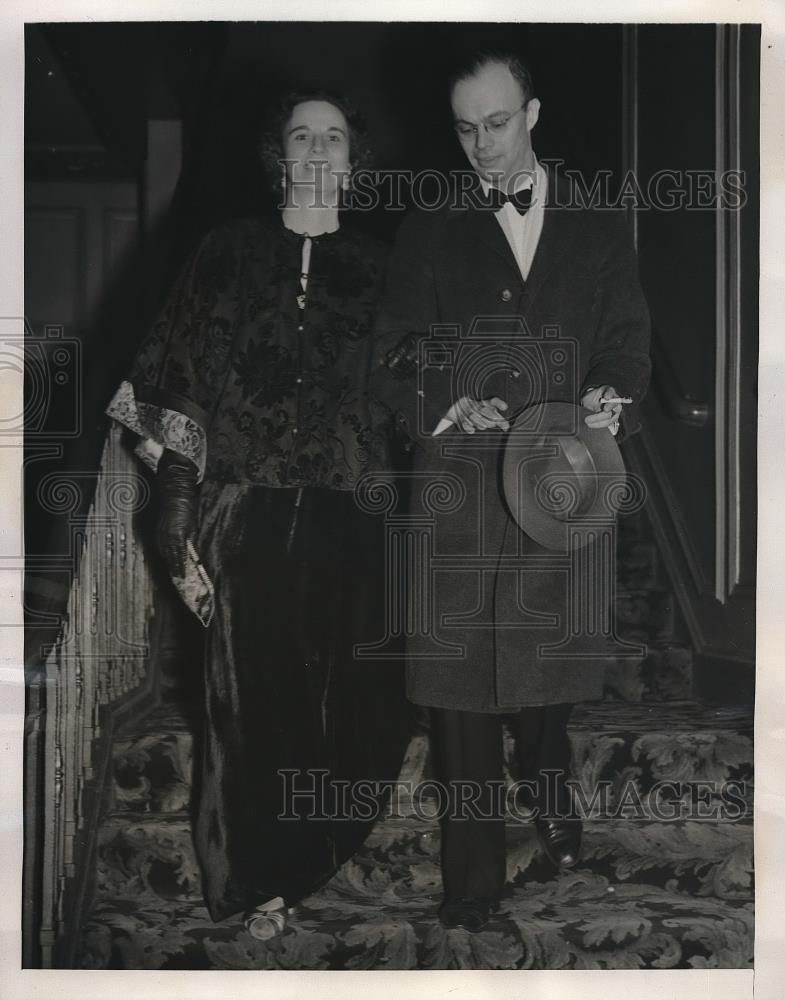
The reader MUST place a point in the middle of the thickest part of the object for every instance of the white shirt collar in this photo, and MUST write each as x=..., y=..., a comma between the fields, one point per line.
x=525, y=180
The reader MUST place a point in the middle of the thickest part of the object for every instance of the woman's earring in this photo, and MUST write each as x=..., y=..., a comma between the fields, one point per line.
x=346, y=180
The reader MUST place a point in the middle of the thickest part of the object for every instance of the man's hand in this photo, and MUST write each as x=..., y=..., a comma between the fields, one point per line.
x=603, y=414
x=478, y=415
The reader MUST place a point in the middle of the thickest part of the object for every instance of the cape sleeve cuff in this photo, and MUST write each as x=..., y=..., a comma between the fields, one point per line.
x=159, y=427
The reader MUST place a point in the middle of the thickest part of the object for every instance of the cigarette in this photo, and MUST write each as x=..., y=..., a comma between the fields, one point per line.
x=616, y=399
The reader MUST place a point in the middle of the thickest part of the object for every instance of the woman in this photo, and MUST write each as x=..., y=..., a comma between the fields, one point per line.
x=250, y=399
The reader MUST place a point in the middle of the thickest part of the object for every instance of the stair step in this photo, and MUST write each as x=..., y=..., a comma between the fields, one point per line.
x=644, y=754
x=648, y=613
x=148, y=853
x=625, y=745
x=152, y=771
x=646, y=894
x=154, y=853
x=367, y=918
x=665, y=674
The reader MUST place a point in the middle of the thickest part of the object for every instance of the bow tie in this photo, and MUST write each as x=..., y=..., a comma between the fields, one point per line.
x=520, y=201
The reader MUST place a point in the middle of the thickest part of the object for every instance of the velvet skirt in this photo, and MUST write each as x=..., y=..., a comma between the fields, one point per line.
x=300, y=732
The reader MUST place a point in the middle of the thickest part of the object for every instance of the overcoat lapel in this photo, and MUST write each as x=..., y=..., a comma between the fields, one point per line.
x=558, y=232
x=484, y=233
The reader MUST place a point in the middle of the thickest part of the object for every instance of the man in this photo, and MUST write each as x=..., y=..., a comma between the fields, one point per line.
x=488, y=283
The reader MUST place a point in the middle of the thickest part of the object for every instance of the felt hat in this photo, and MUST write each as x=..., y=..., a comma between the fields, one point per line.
x=558, y=473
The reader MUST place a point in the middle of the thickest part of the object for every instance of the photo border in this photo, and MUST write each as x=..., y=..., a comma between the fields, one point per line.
x=769, y=975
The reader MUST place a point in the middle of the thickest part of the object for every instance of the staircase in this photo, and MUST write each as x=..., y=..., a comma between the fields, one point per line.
x=665, y=878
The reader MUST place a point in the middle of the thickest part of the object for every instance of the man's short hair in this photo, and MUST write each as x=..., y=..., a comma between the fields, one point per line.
x=473, y=63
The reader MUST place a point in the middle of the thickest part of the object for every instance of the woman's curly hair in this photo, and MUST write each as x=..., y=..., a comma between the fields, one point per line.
x=270, y=146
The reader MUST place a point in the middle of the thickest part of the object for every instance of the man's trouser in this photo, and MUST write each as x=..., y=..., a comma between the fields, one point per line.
x=469, y=753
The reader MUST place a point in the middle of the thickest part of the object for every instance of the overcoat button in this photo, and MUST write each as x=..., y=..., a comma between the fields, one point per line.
x=506, y=295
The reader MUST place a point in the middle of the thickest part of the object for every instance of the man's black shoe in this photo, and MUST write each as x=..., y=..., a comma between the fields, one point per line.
x=560, y=839
x=469, y=912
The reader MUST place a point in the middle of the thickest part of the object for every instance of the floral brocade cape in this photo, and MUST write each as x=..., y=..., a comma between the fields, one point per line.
x=253, y=386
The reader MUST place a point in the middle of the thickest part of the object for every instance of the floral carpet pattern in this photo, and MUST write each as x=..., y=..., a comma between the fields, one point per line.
x=647, y=894
x=665, y=878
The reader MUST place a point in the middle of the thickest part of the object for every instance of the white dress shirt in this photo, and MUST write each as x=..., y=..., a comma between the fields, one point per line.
x=523, y=235
x=523, y=231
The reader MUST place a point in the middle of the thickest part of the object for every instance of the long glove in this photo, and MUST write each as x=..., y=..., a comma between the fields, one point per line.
x=177, y=490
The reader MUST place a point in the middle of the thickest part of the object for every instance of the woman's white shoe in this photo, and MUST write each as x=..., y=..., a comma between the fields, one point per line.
x=267, y=920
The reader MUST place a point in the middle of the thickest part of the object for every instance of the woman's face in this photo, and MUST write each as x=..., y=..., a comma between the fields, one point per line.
x=316, y=151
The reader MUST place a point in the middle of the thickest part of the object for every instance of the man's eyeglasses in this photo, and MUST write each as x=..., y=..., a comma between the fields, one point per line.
x=494, y=125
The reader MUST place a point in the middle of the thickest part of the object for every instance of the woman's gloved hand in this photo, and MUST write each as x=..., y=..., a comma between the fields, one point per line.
x=177, y=491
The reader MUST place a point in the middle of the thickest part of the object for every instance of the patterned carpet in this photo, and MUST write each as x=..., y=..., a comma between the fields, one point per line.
x=650, y=891
x=647, y=894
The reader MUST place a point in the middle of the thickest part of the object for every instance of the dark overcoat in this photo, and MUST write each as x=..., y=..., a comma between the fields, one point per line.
x=487, y=612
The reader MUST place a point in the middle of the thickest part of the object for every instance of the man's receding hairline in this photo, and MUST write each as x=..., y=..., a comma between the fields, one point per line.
x=494, y=59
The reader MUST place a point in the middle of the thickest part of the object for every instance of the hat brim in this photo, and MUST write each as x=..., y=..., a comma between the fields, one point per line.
x=558, y=473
